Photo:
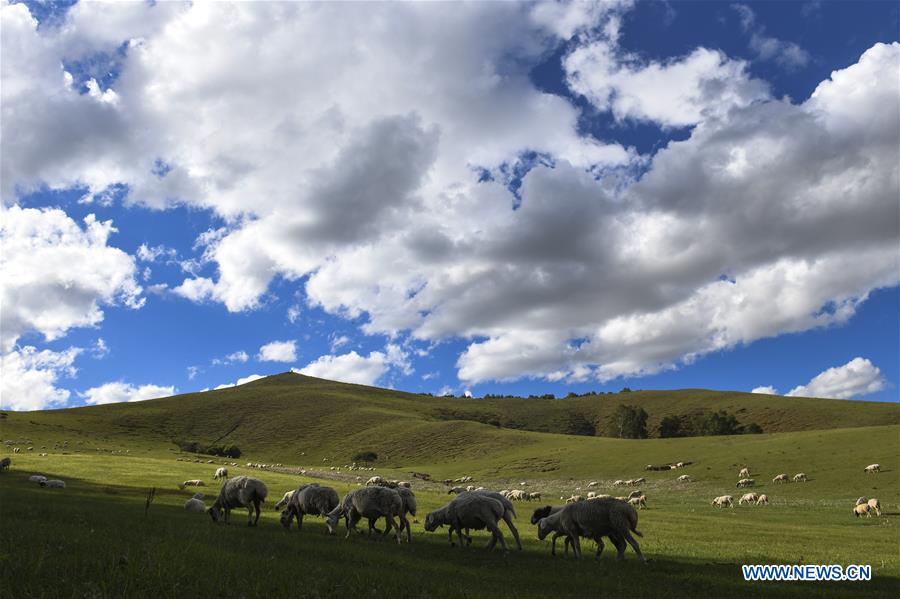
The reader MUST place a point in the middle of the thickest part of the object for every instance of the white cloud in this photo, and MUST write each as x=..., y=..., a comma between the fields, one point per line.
x=241, y=381
x=787, y=54
x=354, y=368
x=293, y=313
x=339, y=341
x=154, y=253
x=855, y=378
x=766, y=390
x=100, y=350
x=29, y=378
x=57, y=274
x=192, y=372
x=238, y=357
x=120, y=392
x=675, y=93
x=278, y=351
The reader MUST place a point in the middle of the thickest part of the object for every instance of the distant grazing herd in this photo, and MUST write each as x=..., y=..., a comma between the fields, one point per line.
x=591, y=516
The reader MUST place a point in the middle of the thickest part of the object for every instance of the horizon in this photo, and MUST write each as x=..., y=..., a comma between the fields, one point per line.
x=589, y=197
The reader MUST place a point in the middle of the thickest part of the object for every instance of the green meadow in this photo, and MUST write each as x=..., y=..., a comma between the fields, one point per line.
x=99, y=538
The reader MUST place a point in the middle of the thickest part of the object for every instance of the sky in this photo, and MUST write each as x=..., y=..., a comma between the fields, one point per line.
x=506, y=198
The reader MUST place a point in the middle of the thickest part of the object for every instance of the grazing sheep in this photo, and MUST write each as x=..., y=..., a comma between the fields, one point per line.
x=370, y=503
x=594, y=520
x=240, y=491
x=862, y=500
x=220, y=473
x=4, y=464
x=456, y=490
x=639, y=502
x=593, y=483
x=636, y=493
x=534, y=497
x=745, y=482
x=750, y=498
x=283, y=502
x=53, y=484
x=375, y=480
x=194, y=505
x=722, y=501
x=509, y=513
x=781, y=478
x=37, y=478
x=744, y=473
x=591, y=495
x=517, y=495
x=862, y=509
x=600, y=496
x=405, y=484
x=574, y=499
x=192, y=483
x=763, y=500
x=638, y=481
x=409, y=507
x=875, y=505
x=470, y=488
x=800, y=477
x=469, y=511
x=872, y=468
x=684, y=478
x=618, y=483
x=309, y=499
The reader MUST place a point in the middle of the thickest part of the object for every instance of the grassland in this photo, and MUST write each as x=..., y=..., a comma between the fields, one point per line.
x=94, y=538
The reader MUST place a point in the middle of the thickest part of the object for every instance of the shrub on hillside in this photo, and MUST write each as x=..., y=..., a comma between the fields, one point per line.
x=629, y=422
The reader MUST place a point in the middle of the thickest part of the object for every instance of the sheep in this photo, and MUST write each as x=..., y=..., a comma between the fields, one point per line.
x=750, y=498
x=470, y=488
x=240, y=491
x=763, y=500
x=593, y=484
x=684, y=478
x=534, y=497
x=516, y=495
x=745, y=482
x=722, y=501
x=309, y=499
x=469, y=511
x=409, y=507
x=594, y=520
x=781, y=478
x=194, y=505
x=618, y=483
x=456, y=490
x=375, y=480
x=192, y=483
x=16, y=450
x=367, y=502
x=875, y=505
x=744, y=473
x=405, y=484
x=862, y=509
x=872, y=468
x=53, y=484
x=220, y=473
x=600, y=496
x=800, y=477
x=862, y=500
x=574, y=499
x=591, y=495
x=4, y=463
x=509, y=513
x=638, y=481
x=639, y=502
x=636, y=493
x=37, y=478
x=283, y=502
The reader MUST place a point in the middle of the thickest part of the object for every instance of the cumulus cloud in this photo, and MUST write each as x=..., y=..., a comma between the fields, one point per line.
x=241, y=381
x=278, y=351
x=354, y=368
x=29, y=378
x=57, y=273
x=766, y=390
x=855, y=378
x=121, y=392
x=238, y=357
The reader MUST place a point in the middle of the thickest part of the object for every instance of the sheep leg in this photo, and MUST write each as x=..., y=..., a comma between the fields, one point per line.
x=459, y=534
x=256, y=505
x=352, y=519
x=576, y=545
x=619, y=543
x=497, y=536
x=599, y=541
x=391, y=525
x=300, y=521
x=507, y=517
x=634, y=545
x=404, y=523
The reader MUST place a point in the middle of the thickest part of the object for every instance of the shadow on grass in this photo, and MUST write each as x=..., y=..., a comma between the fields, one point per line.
x=95, y=540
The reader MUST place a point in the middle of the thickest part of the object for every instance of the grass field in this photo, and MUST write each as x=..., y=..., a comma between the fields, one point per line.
x=94, y=539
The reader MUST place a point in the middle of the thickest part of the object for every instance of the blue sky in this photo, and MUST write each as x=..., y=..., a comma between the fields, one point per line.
x=504, y=198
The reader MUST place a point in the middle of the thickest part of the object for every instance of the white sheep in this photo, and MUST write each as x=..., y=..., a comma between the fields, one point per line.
x=370, y=503
x=635, y=493
x=862, y=510
x=750, y=498
x=800, y=477
x=872, y=468
x=192, y=483
x=220, y=473
x=874, y=505
x=594, y=520
x=195, y=505
x=781, y=478
x=593, y=483
x=37, y=478
x=53, y=484
x=722, y=501
x=684, y=478
x=517, y=495
x=618, y=483
x=240, y=491
x=745, y=482
x=469, y=511
x=470, y=488
x=534, y=496
x=456, y=490
x=309, y=499
x=574, y=499
x=375, y=480
x=639, y=502
x=591, y=495
x=763, y=500
x=744, y=473
x=282, y=503
x=638, y=481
